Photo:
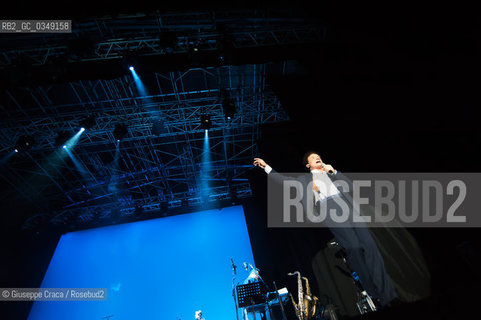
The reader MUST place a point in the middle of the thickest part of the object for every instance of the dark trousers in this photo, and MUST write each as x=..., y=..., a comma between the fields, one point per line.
x=364, y=257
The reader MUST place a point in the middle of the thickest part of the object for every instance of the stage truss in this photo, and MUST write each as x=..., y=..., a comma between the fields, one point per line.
x=158, y=166
x=159, y=160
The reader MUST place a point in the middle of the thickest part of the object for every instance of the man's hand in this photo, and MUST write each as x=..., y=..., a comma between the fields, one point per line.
x=328, y=168
x=260, y=163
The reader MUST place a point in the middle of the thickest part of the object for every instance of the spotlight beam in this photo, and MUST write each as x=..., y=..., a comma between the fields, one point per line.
x=115, y=167
x=8, y=156
x=73, y=141
x=205, y=167
x=138, y=83
x=50, y=168
x=80, y=167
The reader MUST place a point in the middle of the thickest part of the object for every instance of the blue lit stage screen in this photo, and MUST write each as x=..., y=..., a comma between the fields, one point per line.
x=164, y=268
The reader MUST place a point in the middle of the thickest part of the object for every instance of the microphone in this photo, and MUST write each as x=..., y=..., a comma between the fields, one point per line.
x=234, y=267
x=330, y=171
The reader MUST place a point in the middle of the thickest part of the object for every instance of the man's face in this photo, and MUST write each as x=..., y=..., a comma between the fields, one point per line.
x=314, y=161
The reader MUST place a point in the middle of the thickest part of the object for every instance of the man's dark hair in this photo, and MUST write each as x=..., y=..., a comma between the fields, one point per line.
x=306, y=155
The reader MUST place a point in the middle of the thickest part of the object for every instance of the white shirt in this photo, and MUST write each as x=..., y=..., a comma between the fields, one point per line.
x=322, y=181
x=324, y=184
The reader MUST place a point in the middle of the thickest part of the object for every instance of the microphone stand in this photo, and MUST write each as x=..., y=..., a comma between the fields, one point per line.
x=233, y=290
x=280, y=302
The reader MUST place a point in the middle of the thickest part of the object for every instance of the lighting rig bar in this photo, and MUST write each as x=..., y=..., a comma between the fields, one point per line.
x=161, y=34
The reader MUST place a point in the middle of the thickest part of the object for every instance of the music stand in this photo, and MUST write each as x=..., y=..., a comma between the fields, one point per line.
x=250, y=294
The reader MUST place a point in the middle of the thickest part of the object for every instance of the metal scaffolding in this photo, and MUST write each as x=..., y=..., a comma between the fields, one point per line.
x=156, y=165
x=162, y=33
x=158, y=162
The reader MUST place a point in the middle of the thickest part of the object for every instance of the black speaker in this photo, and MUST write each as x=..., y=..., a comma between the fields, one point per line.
x=336, y=286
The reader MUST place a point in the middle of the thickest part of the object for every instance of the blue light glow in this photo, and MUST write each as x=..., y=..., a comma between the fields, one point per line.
x=78, y=165
x=73, y=141
x=8, y=156
x=205, y=168
x=142, y=90
x=154, y=269
x=82, y=129
x=139, y=84
x=112, y=187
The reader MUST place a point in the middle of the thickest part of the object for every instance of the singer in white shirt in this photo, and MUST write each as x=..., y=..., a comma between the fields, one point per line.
x=362, y=251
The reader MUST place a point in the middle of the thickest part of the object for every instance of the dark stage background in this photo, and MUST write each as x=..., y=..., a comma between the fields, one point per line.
x=394, y=89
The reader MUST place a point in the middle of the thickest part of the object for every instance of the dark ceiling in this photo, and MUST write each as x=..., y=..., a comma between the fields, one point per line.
x=395, y=86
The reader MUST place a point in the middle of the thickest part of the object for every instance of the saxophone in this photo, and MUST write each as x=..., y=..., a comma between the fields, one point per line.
x=299, y=306
x=307, y=304
x=311, y=302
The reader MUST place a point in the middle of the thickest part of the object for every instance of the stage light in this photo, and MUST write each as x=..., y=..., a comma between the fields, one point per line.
x=82, y=129
x=120, y=131
x=16, y=150
x=87, y=123
x=65, y=139
x=24, y=142
x=205, y=122
x=129, y=59
x=62, y=138
x=138, y=83
x=229, y=108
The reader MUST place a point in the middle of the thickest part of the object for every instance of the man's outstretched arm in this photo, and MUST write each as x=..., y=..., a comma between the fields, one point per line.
x=258, y=162
x=273, y=174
